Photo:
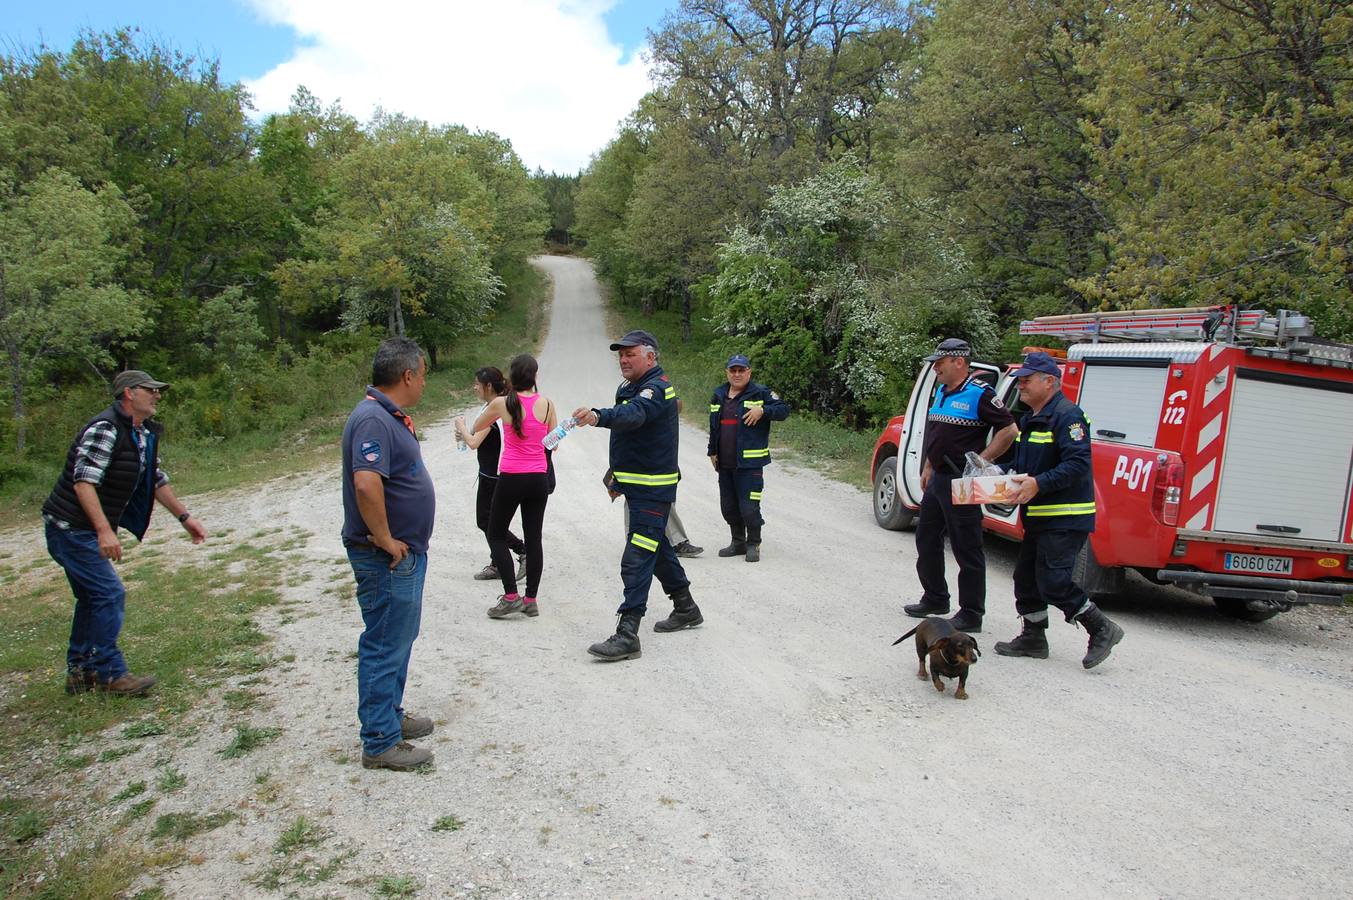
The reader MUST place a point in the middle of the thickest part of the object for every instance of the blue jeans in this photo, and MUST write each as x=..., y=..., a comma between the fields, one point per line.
x=392, y=608
x=648, y=552
x=100, y=600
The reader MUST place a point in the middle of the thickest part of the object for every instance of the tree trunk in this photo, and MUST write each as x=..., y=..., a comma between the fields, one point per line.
x=432, y=356
x=397, y=314
x=16, y=386
x=685, y=313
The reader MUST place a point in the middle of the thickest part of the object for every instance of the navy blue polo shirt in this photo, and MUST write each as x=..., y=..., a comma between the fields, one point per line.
x=377, y=440
x=960, y=421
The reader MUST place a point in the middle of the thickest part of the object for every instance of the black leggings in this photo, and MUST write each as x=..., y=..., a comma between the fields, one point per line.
x=530, y=491
x=482, y=503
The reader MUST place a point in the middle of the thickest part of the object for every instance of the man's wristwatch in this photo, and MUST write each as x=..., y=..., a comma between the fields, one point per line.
x=184, y=516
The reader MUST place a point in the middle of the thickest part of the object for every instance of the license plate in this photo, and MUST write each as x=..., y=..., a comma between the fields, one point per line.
x=1260, y=565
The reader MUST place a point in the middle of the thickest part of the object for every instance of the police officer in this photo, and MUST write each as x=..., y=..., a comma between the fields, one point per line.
x=964, y=411
x=740, y=413
x=643, y=425
x=1057, y=507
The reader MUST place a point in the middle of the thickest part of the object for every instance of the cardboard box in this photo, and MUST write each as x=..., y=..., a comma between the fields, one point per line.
x=983, y=489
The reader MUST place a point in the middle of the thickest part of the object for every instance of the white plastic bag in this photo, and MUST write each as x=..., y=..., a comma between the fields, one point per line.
x=977, y=466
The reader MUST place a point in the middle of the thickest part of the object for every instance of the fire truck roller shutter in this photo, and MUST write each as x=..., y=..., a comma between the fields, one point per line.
x=1287, y=459
x=1122, y=398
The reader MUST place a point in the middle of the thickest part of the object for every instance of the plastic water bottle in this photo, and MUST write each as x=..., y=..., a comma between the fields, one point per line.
x=551, y=440
x=461, y=446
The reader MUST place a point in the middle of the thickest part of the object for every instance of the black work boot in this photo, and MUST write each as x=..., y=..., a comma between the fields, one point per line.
x=966, y=620
x=1104, y=633
x=753, y=545
x=685, y=614
x=925, y=608
x=624, y=644
x=739, y=545
x=1032, y=641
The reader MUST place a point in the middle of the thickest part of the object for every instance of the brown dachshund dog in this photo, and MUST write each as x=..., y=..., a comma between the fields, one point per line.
x=950, y=651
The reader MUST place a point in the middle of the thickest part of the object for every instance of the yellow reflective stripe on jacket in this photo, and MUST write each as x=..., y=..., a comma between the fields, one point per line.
x=754, y=495
x=1040, y=437
x=645, y=543
x=754, y=454
x=753, y=402
x=714, y=407
x=1062, y=509
x=649, y=480
x=669, y=393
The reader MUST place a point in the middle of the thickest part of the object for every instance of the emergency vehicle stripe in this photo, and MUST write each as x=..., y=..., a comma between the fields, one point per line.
x=754, y=495
x=1203, y=478
x=1062, y=509
x=669, y=393
x=753, y=402
x=1199, y=519
x=644, y=543
x=1209, y=432
x=753, y=454
x=714, y=407
x=1040, y=437
x=641, y=478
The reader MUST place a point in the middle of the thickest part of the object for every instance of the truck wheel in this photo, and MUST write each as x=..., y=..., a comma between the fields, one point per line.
x=1094, y=579
x=1239, y=609
x=889, y=510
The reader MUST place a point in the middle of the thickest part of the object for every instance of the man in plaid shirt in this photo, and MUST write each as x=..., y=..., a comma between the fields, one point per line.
x=111, y=479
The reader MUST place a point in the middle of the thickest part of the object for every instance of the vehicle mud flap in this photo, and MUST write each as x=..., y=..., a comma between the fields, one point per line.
x=1094, y=579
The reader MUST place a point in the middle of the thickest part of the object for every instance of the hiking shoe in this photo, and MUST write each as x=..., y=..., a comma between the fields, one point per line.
x=966, y=621
x=923, y=609
x=530, y=608
x=402, y=757
x=488, y=573
x=128, y=685
x=737, y=548
x=753, y=553
x=411, y=727
x=78, y=681
x=688, y=550
x=1104, y=634
x=504, y=607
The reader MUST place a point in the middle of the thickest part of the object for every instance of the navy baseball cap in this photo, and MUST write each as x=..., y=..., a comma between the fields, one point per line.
x=737, y=359
x=636, y=339
x=1038, y=363
x=950, y=347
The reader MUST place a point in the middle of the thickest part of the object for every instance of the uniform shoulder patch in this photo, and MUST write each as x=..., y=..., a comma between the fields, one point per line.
x=646, y=393
x=996, y=402
x=370, y=451
x=1077, y=431
x=774, y=396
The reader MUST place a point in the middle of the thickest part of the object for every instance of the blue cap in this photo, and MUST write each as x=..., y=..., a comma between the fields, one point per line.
x=1038, y=363
x=636, y=339
x=951, y=347
x=737, y=359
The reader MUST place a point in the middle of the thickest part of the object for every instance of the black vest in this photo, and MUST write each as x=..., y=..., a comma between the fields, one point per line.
x=123, y=504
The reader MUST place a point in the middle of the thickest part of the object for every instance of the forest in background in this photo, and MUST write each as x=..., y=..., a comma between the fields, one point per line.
x=832, y=185
x=147, y=222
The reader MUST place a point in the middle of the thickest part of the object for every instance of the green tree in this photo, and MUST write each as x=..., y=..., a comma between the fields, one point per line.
x=1225, y=130
x=60, y=247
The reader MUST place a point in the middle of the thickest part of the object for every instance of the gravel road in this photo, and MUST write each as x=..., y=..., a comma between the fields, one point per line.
x=784, y=749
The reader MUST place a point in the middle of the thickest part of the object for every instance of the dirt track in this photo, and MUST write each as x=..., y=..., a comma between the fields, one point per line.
x=784, y=749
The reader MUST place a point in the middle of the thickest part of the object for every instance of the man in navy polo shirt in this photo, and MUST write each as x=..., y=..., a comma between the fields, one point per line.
x=965, y=411
x=388, y=508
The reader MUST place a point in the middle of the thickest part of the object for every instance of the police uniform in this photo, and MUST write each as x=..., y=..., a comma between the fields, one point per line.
x=958, y=422
x=1054, y=448
x=743, y=451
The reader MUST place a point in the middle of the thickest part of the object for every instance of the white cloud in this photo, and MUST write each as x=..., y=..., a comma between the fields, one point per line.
x=542, y=73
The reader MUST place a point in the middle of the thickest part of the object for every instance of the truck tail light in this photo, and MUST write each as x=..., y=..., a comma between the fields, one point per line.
x=1168, y=491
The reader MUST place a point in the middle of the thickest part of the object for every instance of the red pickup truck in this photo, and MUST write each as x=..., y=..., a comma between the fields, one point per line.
x=1223, y=454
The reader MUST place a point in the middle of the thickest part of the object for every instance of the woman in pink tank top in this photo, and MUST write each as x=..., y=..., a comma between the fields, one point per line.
x=523, y=482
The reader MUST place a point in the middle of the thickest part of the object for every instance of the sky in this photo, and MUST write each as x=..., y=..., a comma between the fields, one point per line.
x=555, y=77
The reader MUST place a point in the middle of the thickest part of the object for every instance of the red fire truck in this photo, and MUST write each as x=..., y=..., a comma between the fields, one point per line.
x=1222, y=442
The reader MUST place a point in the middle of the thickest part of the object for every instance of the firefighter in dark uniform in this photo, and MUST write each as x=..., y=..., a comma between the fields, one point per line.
x=1057, y=508
x=958, y=422
x=643, y=425
x=740, y=413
